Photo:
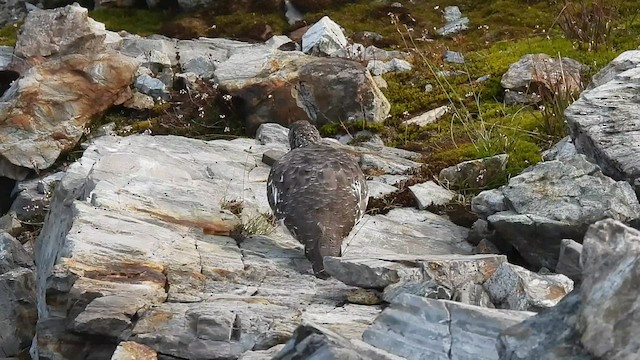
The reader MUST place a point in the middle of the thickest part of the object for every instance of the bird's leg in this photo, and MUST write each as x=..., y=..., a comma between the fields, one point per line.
x=315, y=257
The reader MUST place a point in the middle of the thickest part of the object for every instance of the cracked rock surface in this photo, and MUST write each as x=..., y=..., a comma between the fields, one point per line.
x=137, y=248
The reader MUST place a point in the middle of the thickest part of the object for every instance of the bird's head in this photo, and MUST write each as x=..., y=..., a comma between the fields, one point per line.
x=302, y=133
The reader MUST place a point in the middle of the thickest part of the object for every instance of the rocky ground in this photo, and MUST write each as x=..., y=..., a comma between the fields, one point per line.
x=135, y=222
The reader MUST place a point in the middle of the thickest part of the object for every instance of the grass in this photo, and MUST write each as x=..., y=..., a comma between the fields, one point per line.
x=8, y=34
x=135, y=21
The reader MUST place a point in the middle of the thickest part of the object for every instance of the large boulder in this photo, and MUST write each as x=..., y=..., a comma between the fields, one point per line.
x=604, y=120
x=47, y=110
x=536, y=74
x=289, y=86
x=599, y=319
x=58, y=32
x=551, y=201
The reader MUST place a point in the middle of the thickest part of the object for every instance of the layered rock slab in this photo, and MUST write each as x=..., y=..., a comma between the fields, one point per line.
x=136, y=247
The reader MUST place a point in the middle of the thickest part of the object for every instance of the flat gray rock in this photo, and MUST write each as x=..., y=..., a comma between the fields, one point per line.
x=569, y=259
x=431, y=194
x=418, y=328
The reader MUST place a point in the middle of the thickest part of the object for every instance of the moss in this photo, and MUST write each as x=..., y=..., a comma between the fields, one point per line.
x=334, y=128
x=135, y=21
x=9, y=34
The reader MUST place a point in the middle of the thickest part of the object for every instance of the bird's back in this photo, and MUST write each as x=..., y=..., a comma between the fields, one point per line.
x=319, y=192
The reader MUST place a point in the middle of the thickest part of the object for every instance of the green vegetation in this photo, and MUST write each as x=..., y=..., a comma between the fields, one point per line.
x=135, y=21
x=8, y=34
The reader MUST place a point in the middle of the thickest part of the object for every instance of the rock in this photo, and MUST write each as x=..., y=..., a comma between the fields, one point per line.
x=388, y=161
x=312, y=341
x=139, y=101
x=475, y=174
x=453, y=57
x=516, y=288
x=626, y=61
x=58, y=32
x=63, y=97
x=594, y=321
x=429, y=117
x=6, y=57
x=10, y=224
x=610, y=304
x=455, y=23
x=569, y=259
x=137, y=248
x=379, y=189
x=534, y=75
x=606, y=136
x=301, y=87
x=152, y=87
x=551, y=201
x=390, y=273
x=441, y=329
x=479, y=230
x=323, y=38
x=562, y=150
x=12, y=11
x=271, y=133
x=419, y=232
x=17, y=297
x=486, y=247
x=359, y=52
x=379, y=67
x=12, y=254
x=130, y=350
x=261, y=354
x=277, y=41
x=431, y=194
x=271, y=156
x=364, y=297
x=31, y=197
x=550, y=335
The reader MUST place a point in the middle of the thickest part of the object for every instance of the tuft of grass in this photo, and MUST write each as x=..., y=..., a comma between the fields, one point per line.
x=257, y=224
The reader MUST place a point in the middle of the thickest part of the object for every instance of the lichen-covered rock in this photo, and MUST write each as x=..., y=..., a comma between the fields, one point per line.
x=535, y=74
x=551, y=201
x=58, y=32
x=130, y=350
x=474, y=174
x=603, y=121
x=47, y=110
x=288, y=86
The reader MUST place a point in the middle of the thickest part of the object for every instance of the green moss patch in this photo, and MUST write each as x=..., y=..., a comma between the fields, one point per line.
x=9, y=34
x=135, y=21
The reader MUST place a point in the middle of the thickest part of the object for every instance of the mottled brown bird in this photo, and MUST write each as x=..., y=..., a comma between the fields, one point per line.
x=319, y=192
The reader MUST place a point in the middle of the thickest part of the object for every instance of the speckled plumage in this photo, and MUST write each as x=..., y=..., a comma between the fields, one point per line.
x=319, y=192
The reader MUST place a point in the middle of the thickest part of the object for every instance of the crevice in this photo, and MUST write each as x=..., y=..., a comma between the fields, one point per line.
x=450, y=351
x=199, y=255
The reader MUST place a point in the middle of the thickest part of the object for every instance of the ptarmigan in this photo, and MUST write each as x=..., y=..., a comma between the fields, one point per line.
x=319, y=192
